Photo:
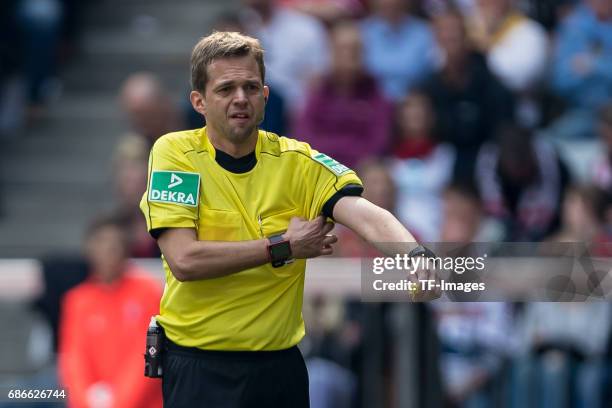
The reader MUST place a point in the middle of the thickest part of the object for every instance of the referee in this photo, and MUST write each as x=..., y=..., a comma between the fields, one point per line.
x=236, y=212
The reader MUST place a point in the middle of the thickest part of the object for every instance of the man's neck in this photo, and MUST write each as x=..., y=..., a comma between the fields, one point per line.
x=235, y=150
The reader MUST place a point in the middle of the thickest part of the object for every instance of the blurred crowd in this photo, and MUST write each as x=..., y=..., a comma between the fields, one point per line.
x=458, y=116
x=476, y=93
x=37, y=37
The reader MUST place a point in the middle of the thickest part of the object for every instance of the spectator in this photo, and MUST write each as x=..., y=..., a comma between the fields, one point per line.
x=581, y=68
x=130, y=168
x=562, y=348
x=151, y=114
x=398, y=47
x=602, y=167
x=103, y=327
x=501, y=31
x=148, y=106
x=329, y=12
x=474, y=336
x=587, y=219
x=522, y=183
x=39, y=25
x=421, y=167
x=296, y=47
x=346, y=114
x=464, y=218
x=468, y=101
x=579, y=220
x=583, y=56
x=331, y=384
x=130, y=182
x=12, y=88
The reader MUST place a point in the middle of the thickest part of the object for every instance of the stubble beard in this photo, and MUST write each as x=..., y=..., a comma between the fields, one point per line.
x=240, y=135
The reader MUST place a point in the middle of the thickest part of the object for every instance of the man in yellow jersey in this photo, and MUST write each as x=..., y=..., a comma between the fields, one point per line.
x=236, y=212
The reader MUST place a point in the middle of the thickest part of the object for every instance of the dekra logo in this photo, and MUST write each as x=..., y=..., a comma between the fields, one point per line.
x=174, y=187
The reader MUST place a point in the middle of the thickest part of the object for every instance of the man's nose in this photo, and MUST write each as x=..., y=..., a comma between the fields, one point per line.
x=240, y=96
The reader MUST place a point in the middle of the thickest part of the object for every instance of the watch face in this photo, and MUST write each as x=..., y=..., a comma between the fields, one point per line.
x=280, y=251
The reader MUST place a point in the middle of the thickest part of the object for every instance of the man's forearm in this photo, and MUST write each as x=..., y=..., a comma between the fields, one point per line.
x=375, y=225
x=190, y=259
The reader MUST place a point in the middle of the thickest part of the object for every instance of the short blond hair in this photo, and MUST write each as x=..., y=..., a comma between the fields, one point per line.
x=222, y=44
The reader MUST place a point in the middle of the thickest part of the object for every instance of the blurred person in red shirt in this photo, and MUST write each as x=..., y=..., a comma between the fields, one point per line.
x=102, y=326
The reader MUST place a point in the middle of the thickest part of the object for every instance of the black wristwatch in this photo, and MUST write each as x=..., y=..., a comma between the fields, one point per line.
x=279, y=251
x=421, y=251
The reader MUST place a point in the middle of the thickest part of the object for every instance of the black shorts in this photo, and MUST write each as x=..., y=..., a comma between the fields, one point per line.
x=234, y=379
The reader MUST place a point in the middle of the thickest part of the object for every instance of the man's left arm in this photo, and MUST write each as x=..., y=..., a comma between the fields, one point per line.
x=381, y=229
x=374, y=224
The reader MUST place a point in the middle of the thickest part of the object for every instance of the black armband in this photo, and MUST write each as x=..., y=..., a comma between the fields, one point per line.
x=351, y=190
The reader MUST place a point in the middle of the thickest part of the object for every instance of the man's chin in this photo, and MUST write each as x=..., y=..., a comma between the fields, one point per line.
x=241, y=135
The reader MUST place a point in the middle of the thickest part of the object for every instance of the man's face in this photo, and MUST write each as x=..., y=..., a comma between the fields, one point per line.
x=462, y=217
x=347, y=52
x=450, y=34
x=235, y=98
x=106, y=253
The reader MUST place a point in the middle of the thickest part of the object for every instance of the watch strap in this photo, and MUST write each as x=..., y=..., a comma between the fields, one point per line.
x=276, y=260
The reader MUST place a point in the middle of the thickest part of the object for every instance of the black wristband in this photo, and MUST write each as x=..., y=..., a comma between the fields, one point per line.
x=279, y=251
x=421, y=251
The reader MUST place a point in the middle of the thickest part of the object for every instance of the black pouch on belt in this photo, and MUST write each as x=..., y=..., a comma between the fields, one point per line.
x=154, y=350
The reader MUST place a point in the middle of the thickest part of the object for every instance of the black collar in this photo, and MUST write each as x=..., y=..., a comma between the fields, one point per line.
x=240, y=165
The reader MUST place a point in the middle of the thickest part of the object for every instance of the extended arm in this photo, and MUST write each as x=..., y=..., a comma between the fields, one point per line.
x=375, y=225
x=380, y=228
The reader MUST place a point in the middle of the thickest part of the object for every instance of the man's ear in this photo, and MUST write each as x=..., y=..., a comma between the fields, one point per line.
x=198, y=102
x=266, y=93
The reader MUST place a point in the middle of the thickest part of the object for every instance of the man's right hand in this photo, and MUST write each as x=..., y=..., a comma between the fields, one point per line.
x=310, y=239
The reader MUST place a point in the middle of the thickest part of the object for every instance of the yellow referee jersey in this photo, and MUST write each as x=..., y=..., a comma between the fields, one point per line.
x=258, y=308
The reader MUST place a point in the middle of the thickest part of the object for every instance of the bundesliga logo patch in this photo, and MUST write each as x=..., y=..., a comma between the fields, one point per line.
x=333, y=165
x=174, y=187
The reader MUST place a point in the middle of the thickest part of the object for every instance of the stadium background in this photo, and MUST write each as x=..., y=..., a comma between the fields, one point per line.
x=86, y=86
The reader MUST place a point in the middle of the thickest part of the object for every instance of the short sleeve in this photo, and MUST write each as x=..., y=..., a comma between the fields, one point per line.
x=173, y=189
x=327, y=177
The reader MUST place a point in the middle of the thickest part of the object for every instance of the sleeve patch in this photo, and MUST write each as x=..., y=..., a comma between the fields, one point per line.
x=333, y=165
x=175, y=187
